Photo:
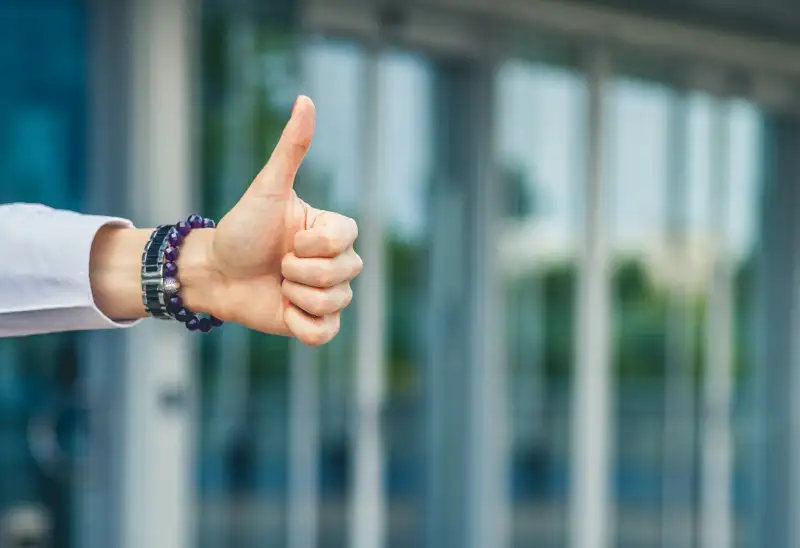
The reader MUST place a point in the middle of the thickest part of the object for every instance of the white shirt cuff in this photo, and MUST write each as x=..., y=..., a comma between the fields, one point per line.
x=46, y=287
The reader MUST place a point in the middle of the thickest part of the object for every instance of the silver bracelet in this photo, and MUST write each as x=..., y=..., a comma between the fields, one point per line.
x=153, y=274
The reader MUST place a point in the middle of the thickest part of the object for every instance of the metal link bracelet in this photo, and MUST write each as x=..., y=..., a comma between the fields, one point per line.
x=152, y=274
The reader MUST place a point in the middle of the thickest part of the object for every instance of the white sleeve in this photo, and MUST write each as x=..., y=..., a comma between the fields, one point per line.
x=44, y=271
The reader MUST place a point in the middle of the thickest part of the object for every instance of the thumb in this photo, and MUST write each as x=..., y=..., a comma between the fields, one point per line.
x=277, y=177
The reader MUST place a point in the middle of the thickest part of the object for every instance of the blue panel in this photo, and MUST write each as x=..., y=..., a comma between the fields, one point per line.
x=43, y=102
x=43, y=126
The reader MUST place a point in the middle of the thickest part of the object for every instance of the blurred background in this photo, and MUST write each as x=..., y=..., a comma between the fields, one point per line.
x=577, y=322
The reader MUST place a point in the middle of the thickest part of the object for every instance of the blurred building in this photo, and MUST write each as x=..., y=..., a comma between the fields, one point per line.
x=577, y=322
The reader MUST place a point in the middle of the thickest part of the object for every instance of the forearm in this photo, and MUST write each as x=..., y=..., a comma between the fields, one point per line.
x=46, y=287
x=116, y=266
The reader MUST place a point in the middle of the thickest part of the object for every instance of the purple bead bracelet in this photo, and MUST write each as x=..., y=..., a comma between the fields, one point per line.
x=174, y=302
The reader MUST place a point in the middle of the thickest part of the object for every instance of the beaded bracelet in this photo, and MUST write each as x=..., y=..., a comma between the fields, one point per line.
x=169, y=303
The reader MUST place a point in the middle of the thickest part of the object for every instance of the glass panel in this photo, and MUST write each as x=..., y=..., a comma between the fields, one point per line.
x=42, y=159
x=541, y=125
x=743, y=239
x=331, y=177
x=638, y=181
x=662, y=246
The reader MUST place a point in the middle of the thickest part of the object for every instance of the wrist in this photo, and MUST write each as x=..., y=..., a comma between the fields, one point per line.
x=115, y=272
x=198, y=274
x=116, y=266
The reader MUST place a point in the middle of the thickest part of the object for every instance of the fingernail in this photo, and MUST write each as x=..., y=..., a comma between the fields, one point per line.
x=297, y=102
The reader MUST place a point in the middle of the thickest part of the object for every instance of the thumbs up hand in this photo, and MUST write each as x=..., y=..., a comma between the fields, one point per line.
x=274, y=263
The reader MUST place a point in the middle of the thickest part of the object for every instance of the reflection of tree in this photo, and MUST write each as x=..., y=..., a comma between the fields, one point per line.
x=212, y=111
x=405, y=284
x=639, y=316
x=744, y=305
x=558, y=300
x=639, y=319
x=519, y=199
x=263, y=125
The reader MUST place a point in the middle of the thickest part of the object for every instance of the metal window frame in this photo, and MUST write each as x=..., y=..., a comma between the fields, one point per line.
x=777, y=495
x=158, y=502
x=679, y=403
x=465, y=383
x=304, y=432
x=100, y=494
x=367, y=512
x=713, y=60
x=590, y=494
x=488, y=459
x=716, y=498
x=303, y=489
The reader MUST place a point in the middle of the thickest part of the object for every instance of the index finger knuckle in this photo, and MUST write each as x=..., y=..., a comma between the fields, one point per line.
x=329, y=242
x=325, y=275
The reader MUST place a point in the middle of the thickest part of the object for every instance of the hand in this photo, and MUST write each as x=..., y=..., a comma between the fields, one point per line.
x=274, y=263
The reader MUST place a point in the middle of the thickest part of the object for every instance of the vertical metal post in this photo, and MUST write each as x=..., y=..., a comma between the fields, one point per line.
x=99, y=496
x=303, y=447
x=446, y=316
x=792, y=437
x=158, y=473
x=776, y=324
x=367, y=509
x=590, y=499
x=467, y=443
x=716, y=498
x=487, y=437
x=304, y=437
x=678, y=437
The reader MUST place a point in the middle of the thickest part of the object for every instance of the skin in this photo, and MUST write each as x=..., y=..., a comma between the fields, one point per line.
x=274, y=263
